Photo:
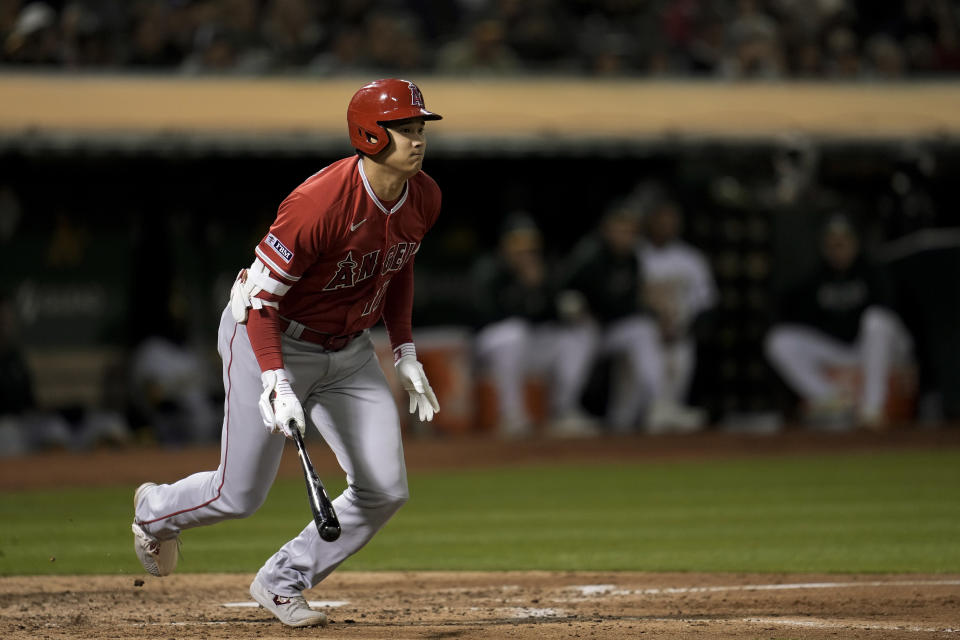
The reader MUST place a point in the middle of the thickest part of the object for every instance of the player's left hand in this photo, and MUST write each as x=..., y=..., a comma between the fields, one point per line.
x=279, y=406
x=414, y=380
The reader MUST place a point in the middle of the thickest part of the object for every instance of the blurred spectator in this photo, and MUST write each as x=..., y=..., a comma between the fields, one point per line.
x=603, y=283
x=920, y=264
x=214, y=51
x=755, y=49
x=170, y=390
x=394, y=42
x=35, y=37
x=153, y=42
x=680, y=292
x=885, y=57
x=907, y=203
x=705, y=48
x=86, y=41
x=23, y=427
x=170, y=386
x=946, y=52
x=482, y=51
x=348, y=54
x=226, y=38
x=16, y=386
x=840, y=315
x=795, y=162
x=521, y=335
x=731, y=38
x=242, y=18
x=9, y=9
x=919, y=230
x=292, y=31
x=539, y=32
x=607, y=48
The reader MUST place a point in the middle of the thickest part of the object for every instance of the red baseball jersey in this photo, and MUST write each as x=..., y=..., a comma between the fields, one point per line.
x=347, y=256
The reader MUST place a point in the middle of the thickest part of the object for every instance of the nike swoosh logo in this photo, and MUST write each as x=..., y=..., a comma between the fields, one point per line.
x=354, y=227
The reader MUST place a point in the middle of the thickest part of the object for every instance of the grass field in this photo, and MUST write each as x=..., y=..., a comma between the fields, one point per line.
x=881, y=512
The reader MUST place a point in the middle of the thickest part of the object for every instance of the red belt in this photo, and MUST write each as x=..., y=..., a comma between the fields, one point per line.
x=328, y=341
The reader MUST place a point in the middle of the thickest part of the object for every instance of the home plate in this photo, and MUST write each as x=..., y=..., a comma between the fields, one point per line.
x=312, y=603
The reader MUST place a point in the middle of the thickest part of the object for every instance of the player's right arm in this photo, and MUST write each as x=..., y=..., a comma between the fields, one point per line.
x=281, y=258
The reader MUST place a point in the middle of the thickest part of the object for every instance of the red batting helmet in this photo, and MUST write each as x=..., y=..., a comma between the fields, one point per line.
x=378, y=103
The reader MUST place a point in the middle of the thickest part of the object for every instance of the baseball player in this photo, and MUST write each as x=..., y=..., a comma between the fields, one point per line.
x=840, y=314
x=602, y=279
x=519, y=333
x=680, y=291
x=295, y=347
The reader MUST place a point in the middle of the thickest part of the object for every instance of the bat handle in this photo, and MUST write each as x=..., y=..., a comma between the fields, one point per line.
x=292, y=426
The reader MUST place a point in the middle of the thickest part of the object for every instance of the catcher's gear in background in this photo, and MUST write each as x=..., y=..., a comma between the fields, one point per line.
x=378, y=103
x=414, y=381
x=279, y=405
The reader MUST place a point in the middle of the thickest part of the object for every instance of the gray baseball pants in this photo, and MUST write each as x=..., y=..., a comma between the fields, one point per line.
x=346, y=397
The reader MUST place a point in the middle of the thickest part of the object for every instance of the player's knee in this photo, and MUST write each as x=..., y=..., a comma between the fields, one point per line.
x=643, y=326
x=396, y=498
x=876, y=321
x=395, y=502
x=243, y=504
x=638, y=332
x=779, y=344
x=379, y=500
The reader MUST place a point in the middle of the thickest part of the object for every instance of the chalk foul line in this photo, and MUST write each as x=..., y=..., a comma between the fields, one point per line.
x=594, y=590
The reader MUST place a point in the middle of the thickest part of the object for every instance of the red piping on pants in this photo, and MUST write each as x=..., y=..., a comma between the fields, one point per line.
x=226, y=448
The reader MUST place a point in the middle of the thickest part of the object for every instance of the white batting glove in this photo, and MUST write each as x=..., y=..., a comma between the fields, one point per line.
x=414, y=380
x=279, y=406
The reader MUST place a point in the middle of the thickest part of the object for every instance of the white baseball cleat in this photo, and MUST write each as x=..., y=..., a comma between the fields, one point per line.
x=158, y=557
x=574, y=424
x=291, y=611
x=672, y=418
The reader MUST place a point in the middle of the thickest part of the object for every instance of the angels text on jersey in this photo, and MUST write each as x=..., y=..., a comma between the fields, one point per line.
x=350, y=271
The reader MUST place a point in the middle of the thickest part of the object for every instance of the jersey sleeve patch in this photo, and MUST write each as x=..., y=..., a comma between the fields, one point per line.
x=279, y=248
x=274, y=267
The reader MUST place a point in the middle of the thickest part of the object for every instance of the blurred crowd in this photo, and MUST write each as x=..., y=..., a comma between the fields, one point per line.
x=833, y=39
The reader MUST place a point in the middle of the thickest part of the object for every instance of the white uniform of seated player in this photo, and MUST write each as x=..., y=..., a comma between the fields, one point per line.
x=840, y=316
x=679, y=289
x=521, y=336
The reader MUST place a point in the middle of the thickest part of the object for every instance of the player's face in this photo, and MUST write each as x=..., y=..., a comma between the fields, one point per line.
x=840, y=249
x=620, y=234
x=664, y=224
x=408, y=143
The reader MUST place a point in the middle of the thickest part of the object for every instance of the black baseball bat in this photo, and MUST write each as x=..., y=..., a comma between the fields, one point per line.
x=323, y=514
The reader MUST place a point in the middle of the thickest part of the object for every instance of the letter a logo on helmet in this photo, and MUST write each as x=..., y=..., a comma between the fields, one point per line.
x=416, y=98
x=380, y=103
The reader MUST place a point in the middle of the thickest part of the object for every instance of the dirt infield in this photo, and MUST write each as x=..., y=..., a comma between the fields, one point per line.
x=515, y=605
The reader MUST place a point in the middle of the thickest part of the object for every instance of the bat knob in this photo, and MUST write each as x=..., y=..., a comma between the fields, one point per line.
x=330, y=532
